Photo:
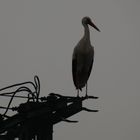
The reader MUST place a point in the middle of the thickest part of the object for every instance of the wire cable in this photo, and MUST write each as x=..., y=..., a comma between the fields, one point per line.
x=19, y=89
x=31, y=95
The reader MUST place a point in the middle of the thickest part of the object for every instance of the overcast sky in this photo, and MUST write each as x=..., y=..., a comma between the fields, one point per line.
x=37, y=37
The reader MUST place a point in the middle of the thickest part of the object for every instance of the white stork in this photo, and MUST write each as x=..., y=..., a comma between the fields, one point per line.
x=83, y=57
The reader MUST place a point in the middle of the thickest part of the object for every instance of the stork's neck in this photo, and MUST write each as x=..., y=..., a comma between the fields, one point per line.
x=86, y=33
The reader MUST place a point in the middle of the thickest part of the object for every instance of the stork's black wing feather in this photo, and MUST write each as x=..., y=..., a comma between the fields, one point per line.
x=90, y=69
x=74, y=69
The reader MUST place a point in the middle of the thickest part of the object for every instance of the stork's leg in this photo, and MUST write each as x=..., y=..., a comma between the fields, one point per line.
x=77, y=92
x=86, y=89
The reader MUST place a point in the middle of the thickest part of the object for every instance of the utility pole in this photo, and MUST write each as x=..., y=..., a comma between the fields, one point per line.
x=34, y=119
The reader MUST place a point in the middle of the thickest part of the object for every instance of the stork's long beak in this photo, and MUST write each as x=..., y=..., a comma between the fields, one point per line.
x=94, y=26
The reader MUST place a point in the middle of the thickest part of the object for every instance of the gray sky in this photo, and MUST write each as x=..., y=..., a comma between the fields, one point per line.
x=38, y=37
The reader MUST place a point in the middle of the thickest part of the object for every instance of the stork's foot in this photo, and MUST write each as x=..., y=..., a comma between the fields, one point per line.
x=91, y=97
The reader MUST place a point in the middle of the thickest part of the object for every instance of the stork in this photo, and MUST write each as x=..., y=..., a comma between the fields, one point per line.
x=83, y=57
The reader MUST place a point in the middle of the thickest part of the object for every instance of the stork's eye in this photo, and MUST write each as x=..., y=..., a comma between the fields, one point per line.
x=86, y=20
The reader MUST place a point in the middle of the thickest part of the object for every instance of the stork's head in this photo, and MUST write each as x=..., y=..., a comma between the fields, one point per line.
x=88, y=21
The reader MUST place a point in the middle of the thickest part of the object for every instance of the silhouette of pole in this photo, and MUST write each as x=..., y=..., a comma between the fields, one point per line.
x=46, y=132
x=35, y=120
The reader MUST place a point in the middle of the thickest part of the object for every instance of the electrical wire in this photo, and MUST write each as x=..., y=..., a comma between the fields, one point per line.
x=19, y=84
x=31, y=95
x=19, y=89
x=37, y=83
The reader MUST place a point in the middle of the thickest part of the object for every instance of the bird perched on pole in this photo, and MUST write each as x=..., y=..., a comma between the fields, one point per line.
x=83, y=57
